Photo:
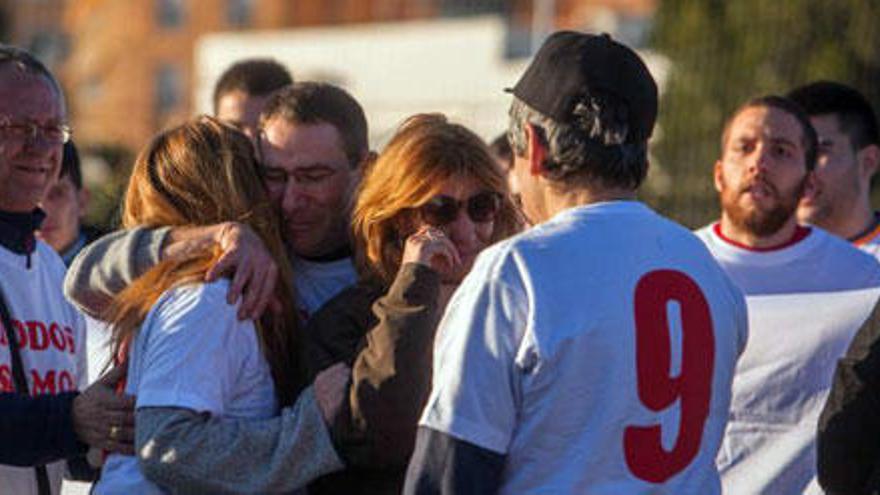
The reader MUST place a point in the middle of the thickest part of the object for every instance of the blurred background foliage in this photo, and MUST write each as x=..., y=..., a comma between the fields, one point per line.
x=716, y=54
x=722, y=53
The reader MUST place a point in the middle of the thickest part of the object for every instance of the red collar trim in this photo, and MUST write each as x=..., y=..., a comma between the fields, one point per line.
x=800, y=233
x=871, y=234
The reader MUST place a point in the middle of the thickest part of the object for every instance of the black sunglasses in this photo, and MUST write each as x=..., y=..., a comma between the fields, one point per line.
x=443, y=210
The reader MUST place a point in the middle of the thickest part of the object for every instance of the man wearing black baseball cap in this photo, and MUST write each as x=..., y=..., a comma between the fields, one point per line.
x=594, y=352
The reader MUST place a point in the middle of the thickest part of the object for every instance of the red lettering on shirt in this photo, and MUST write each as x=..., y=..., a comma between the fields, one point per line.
x=44, y=384
x=20, y=333
x=6, y=378
x=57, y=337
x=65, y=382
x=68, y=333
x=49, y=382
x=38, y=338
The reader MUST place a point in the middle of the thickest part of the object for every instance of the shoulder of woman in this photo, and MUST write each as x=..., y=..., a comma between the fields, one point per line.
x=197, y=302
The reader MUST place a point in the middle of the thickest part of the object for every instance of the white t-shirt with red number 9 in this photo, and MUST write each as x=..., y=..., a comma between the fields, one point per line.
x=596, y=352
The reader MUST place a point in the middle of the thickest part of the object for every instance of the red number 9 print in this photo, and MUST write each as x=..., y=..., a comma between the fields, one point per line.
x=645, y=454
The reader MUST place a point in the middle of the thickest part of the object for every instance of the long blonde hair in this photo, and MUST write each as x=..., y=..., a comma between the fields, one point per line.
x=205, y=172
x=426, y=151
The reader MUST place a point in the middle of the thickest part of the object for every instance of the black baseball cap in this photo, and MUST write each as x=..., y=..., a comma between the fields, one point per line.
x=570, y=64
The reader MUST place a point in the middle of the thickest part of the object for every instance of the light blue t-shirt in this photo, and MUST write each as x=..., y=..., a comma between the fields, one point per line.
x=318, y=282
x=192, y=352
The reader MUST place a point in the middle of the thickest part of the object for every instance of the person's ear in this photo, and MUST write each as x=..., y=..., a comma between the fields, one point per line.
x=809, y=184
x=536, y=150
x=719, y=179
x=869, y=161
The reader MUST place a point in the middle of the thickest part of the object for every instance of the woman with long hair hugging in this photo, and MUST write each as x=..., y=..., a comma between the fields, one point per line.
x=189, y=358
x=426, y=208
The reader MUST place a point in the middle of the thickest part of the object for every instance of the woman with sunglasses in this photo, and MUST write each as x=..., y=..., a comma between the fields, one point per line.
x=426, y=208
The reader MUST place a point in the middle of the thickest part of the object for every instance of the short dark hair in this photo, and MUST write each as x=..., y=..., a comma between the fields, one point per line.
x=500, y=148
x=316, y=103
x=854, y=113
x=253, y=76
x=809, y=139
x=595, y=145
x=24, y=61
x=70, y=165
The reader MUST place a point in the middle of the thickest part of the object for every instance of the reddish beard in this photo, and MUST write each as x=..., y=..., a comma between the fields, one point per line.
x=756, y=220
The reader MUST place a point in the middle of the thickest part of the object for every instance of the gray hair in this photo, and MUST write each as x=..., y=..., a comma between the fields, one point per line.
x=23, y=61
x=594, y=146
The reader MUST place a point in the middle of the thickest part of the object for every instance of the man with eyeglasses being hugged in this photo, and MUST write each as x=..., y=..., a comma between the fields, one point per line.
x=43, y=419
x=312, y=143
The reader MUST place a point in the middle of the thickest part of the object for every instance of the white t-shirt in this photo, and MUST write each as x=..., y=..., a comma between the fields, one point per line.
x=317, y=282
x=192, y=352
x=820, y=262
x=52, y=335
x=538, y=351
x=804, y=308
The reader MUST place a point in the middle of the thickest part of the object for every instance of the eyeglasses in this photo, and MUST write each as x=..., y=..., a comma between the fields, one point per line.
x=443, y=210
x=55, y=134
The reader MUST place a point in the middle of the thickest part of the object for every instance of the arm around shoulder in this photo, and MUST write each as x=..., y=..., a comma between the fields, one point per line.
x=218, y=455
x=105, y=267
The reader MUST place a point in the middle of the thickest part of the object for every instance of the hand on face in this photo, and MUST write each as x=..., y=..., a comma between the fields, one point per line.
x=430, y=247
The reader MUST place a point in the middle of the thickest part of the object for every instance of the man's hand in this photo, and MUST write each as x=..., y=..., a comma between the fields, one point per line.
x=254, y=271
x=103, y=419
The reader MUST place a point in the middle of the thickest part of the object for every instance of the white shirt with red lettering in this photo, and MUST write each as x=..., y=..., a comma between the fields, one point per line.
x=51, y=336
x=806, y=300
x=596, y=352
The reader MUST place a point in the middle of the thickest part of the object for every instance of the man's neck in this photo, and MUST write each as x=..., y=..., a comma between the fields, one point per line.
x=337, y=254
x=556, y=201
x=859, y=222
x=751, y=240
x=17, y=230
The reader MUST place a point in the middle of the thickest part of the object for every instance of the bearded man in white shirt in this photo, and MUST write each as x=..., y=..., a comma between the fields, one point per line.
x=807, y=293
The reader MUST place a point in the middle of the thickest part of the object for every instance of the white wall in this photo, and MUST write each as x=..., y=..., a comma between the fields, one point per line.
x=394, y=70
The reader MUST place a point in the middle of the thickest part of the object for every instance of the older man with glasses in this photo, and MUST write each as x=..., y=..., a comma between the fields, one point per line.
x=42, y=346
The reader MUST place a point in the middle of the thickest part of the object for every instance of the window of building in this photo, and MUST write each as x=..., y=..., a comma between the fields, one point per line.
x=459, y=8
x=170, y=13
x=169, y=88
x=50, y=46
x=239, y=13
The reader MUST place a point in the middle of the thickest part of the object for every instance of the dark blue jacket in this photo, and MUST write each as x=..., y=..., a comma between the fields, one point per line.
x=37, y=430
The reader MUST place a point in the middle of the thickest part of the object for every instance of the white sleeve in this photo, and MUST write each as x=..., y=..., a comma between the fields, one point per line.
x=193, y=349
x=476, y=384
